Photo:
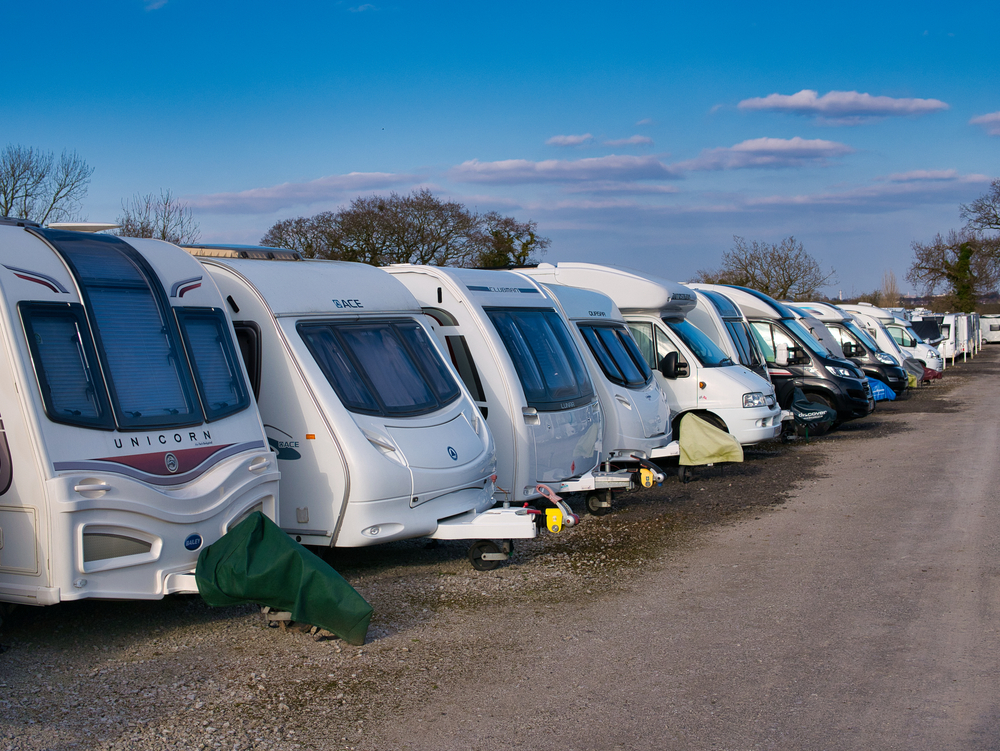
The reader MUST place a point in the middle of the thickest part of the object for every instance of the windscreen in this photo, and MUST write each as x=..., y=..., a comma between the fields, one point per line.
x=707, y=352
x=863, y=335
x=381, y=367
x=617, y=354
x=749, y=352
x=546, y=361
x=804, y=336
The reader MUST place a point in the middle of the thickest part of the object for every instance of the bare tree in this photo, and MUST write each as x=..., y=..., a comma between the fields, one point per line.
x=162, y=218
x=783, y=270
x=415, y=228
x=983, y=214
x=889, y=294
x=965, y=263
x=35, y=185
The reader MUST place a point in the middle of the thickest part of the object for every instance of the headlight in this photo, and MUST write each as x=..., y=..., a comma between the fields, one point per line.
x=886, y=359
x=842, y=372
x=755, y=399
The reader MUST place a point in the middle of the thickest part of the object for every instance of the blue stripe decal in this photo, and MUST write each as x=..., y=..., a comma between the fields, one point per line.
x=135, y=474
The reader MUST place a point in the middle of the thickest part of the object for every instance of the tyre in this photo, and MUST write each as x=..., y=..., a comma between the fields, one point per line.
x=476, y=551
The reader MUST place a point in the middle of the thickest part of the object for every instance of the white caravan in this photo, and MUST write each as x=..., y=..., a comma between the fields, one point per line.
x=376, y=438
x=129, y=439
x=989, y=328
x=696, y=375
x=636, y=414
x=724, y=323
x=512, y=347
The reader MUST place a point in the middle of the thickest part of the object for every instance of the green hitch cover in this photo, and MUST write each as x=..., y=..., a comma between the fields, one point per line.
x=256, y=562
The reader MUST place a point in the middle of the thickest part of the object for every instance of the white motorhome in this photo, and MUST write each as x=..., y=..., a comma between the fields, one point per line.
x=694, y=373
x=989, y=328
x=376, y=438
x=129, y=438
x=874, y=322
x=636, y=414
x=724, y=323
x=513, y=348
x=900, y=331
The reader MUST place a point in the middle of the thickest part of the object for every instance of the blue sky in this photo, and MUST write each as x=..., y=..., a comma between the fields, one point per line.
x=644, y=134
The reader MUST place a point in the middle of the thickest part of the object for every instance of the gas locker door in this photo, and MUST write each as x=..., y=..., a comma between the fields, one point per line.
x=567, y=443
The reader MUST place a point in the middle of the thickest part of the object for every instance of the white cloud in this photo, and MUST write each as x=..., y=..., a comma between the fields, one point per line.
x=990, y=122
x=362, y=8
x=276, y=197
x=631, y=141
x=921, y=175
x=767, y=152
x=517, y=171
x=154, y=4
x=843, y=107
x=621, y=188
x=569, y=140
x=645, y=121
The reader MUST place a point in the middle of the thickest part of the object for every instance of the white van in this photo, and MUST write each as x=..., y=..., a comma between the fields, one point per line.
x=694, y=373
x=636, y=414
x=512, y=347
x=376, y=438
x=129, y=439
x=901, y=332
x=873, y=320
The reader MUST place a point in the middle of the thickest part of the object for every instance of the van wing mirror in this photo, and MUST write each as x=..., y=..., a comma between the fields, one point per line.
x=851, y=349
x=668, y=366
x=797, y=356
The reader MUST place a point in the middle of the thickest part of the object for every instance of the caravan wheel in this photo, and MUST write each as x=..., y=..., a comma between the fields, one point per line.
x=478, y=552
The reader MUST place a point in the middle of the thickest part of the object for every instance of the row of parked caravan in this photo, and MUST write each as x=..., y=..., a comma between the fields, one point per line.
x=151, y=397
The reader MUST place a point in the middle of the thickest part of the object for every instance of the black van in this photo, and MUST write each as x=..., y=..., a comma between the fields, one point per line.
x=793, y=354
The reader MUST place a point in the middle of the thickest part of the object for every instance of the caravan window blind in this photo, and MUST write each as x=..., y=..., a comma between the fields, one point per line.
x=212, y=355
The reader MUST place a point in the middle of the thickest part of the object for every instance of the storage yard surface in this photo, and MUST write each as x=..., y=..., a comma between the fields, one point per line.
x=835, y=594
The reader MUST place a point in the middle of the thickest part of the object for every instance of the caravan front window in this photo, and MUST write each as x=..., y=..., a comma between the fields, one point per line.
x=548, y=365
x=704, y=349
x=136, y=341
x=65, y=364
x=384, y=368
x=621, y=363
x=213, y=360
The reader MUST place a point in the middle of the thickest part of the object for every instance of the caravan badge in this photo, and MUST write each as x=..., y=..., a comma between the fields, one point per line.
x=171, y=461
x=452, y=453
x=193, y=542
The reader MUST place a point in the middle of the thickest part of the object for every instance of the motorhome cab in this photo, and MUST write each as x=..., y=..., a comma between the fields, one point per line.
x=693, y=372
x=909, y=341
x=636, y=416
x=875, y=321
x=856, y=345
x=129, y=437
x=793, y=354
x=376, y=438
x=515, y=353
x=724, y=323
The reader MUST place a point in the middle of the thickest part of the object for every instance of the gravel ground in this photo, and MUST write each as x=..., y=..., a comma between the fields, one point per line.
x=179, y=674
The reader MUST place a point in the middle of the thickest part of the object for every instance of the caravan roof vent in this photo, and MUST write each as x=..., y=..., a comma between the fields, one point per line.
x=256, y=252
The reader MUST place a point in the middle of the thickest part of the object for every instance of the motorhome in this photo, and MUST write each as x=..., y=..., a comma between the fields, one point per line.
x=899, y=333
x=376, y=437
x=514, y=351
x=793, y=354
x=724, y=323
x=129, y=438
x=856, y=345
x=874, y=320
x=636, y=414
x=694, y=373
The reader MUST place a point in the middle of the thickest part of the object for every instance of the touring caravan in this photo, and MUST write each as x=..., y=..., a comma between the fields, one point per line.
x=856, y=345
x=636, y=415
x=989, y=328
x=512, y=347
x=129, y=439
x=724, y=323
x=793, y=354
x=376, y=438
x=694, y=373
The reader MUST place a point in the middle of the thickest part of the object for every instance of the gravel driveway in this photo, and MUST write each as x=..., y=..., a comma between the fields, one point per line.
x=538, y=653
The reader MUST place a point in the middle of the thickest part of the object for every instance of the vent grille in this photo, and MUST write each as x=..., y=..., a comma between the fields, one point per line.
x=100, y=547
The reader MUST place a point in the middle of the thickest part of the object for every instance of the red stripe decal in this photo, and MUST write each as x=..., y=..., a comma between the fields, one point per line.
x=156, y=463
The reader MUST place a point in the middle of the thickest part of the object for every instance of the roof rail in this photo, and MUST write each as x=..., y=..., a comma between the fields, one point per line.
x=16, y=222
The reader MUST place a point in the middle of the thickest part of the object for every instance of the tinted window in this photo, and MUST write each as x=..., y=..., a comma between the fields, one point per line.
x=65, y=364
x=381, y=367
x=213, y=361
x=548, y=365
x=749, y=353
x=620, y=365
